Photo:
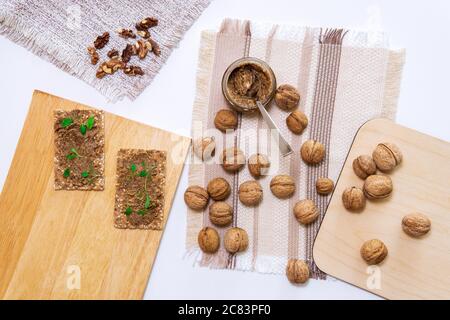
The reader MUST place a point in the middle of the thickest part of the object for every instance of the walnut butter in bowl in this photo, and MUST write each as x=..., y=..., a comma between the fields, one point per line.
x=246, y=81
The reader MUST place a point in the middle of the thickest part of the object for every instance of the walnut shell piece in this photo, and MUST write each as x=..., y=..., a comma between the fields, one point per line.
x=297, y=121
x=226, y=120
x=364, y=166
x=373, y=251
x=221, y=213
x=387, y=156
x=196, y=197
x=297, y=271
x=306, y=212
x=416, y=224
x=236, y=240
x=324, y=186
x=258, y=165
x=282, y=186
x=312, y=152
x=218, y=189
x=287, y=97
x=377, y=187
x=353, y=199
x=232, y=159
x=204, y=148
x=250, y=193
x=208, y=240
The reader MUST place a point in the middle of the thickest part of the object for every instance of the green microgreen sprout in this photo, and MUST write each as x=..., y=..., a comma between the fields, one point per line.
x=88, y=125
x=128, y=211
x=73, y=154
x=85, y=174
x=66, y=173
x=66, y=122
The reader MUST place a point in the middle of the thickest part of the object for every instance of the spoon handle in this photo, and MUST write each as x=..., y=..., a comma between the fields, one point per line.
x=283, y=145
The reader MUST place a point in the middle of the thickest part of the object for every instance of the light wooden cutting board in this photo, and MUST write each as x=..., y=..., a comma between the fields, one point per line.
x=414, y=268
x=62, y=244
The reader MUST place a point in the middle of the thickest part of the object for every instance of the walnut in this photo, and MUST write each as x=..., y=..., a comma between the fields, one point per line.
x=258, y=165
x=155, y=47
x=133, y=71
x=373, y=251
x=312, y=152
x=305, y=211
x=226, y=120
x=208, y=240
x=324, y=186
x=250, y=193
x=282, y=186
x=129, y=51
x=113, y=54
x=232, y=159
x=416, y=224
x=364, y=166
x=144, y=34
x=126, y=33
x=297, y=271
x=287, y=97
x=235, y=240
x=377, y=187
x=218, y=189
x=220, y=213
x=353, y=199
x=196, y=197
x=147, y=23
x=297, y=121
x=387, y=156
x=101, y=41
x=94, y=55
x=109, y=67
x=142, y=47
x=204, y=148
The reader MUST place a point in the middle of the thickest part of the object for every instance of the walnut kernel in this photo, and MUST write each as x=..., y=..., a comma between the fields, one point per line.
x=208, y=240
x=364, y=166
x=218, y=189
x=305, y=211
x=133, y=71
x=387, y=156
x=236, y=240
x=297, y=271
x=282, y=186
x=250, y=193
x=147, y=23
x=126, y=33
x=232, y=159
x=221, y=213
x=287, y=97
x=416, y=224
x=353, y=199
x=312, y=152
x=94, y=55
x=373, y=251
x=101, y=41
x=226, y=120
x=258, y=165
x=196, y=197
x=129, y=51
x=297, y=121
x=377, y=187
x=324, y=186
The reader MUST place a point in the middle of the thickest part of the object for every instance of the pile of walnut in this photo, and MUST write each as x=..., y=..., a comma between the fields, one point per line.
x=385, y=158
x=250, y=192
x=119, y=61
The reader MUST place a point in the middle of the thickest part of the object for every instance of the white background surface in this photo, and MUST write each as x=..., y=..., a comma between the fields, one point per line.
x=422, y=27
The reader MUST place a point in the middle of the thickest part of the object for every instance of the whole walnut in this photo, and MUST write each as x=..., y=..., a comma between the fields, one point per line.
x=416, y=224
x=387, y=156
x=235, y=240
x=297, y=121
x=282, y=186
x=226, y=119
x=208, y=240
x=258, y=165
x=364, y=166
x=305, y=211
x=353, y=199
x=220, y=213
x=205, y=148
x=312, y=152
x=218, y=189
x=373, y=251
x=324, y=186
x=287, y=97
x=232, y=159
x=250, y=193
x=196, y=197
x=297, y=271
x=377, y=187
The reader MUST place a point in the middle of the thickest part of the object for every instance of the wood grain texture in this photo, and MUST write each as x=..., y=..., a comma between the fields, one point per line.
x=414, y=268
x=46, y=233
